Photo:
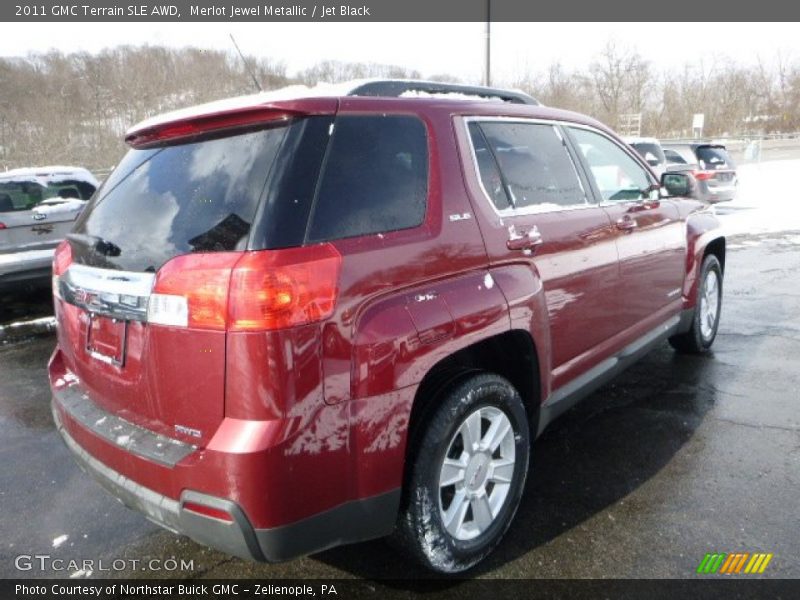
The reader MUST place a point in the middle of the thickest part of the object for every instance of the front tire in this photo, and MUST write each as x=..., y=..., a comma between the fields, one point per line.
x=467, y=475
x=707, y=311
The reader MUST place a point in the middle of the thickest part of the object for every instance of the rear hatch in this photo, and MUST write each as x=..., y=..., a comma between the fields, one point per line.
x=36, y=212
x=716, y=166
x=143, y=279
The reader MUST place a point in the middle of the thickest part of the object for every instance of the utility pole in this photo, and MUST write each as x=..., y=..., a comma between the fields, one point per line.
x=487, y=76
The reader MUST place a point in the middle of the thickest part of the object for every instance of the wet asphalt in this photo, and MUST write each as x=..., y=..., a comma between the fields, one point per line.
x=678, y=457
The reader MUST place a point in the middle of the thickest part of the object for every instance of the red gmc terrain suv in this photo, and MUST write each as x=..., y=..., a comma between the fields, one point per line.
x=291, y=322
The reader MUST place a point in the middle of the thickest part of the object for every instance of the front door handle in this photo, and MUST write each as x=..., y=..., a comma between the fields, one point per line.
x=524, y=240
x=627, y=223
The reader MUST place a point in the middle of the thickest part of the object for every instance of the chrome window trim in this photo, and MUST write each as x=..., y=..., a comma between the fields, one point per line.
x=527, y=210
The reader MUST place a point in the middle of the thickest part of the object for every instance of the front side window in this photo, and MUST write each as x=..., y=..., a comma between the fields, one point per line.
x=375, y=178
x=536, y=169
x=617, y=175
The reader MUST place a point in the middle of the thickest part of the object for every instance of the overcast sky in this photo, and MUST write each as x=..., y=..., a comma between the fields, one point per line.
x=431, y=48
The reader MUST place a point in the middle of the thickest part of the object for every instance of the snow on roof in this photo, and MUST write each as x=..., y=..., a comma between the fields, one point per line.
x=641, y=140
x=51, y=174
x=292, y=92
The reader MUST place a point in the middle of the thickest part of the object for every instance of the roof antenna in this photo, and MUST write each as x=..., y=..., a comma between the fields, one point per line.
x=246, y=64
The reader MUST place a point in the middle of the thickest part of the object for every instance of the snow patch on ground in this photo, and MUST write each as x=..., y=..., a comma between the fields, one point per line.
x=767, y=200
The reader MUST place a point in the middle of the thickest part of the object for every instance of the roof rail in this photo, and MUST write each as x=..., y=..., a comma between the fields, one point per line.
x=398, y=87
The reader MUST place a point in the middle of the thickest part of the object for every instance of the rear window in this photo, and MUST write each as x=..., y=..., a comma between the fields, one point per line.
x=674, y=157
x=651, y=153
x=713, y=158
x=375, y=178
x=24, y=195
x=194, y=197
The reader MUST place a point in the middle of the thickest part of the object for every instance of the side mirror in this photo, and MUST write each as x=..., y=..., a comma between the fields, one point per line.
x=676, y=184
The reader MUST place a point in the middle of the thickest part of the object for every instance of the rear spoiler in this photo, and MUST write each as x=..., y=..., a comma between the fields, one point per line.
x=154, y=132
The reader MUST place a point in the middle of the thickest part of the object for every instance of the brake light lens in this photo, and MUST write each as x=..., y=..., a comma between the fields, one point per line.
x=275, y=289
x=192, y=291
x=703, y=175
x=206, y=124
x=62, y=258
x=250, y=291
x=2, y=225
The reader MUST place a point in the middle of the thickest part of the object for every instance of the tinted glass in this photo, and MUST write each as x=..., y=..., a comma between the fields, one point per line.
x=674, y=157
x=159, y=203
x=537, y=169
x=487, y=169
x=617, y=175
x=24, y=195
x=713, y=158
x=652, y=153
x=375, y=178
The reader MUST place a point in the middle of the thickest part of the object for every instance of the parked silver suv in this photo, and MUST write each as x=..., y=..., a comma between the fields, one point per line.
x=713, y=170
x=38, y=206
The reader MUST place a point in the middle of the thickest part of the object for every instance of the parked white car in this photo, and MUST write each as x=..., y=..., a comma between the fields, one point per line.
x=38, y=207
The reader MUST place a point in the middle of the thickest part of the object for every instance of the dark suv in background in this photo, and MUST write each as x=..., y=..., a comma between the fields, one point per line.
x=289, y=324
x=712, y=168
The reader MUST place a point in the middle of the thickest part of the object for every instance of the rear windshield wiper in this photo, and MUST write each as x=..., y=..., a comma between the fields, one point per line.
x=98, y=244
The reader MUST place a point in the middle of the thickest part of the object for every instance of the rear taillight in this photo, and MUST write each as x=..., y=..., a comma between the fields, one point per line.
x=704, y=175
x=62, y=258
x=284, y=288
x=250, y=291
x=192, y=291
x=2, y=225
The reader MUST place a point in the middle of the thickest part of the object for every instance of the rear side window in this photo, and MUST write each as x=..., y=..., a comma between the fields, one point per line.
x=375, y=178
x=194, y=197
x=536, y=168
x=713, y=158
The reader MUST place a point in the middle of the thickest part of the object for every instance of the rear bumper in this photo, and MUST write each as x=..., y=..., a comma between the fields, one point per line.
x=91, y=433
x=236, y=537
x=23, y=268
x=716, y=194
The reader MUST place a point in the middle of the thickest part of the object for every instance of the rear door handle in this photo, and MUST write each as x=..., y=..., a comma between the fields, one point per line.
x=626, y=223
x=524, y=240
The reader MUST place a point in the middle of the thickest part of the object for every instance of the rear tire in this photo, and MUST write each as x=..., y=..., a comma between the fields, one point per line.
x=467, y=475
x=707, y=311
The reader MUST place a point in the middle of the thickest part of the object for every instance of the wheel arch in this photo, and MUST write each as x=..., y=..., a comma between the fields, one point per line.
x=511, y=354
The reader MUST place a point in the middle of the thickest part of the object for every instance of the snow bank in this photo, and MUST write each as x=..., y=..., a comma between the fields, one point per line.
x=767, y=200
